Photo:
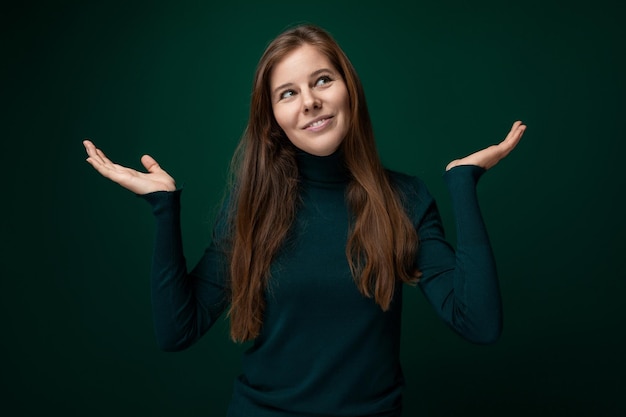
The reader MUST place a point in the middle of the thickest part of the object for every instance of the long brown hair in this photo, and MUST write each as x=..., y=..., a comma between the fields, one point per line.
x=382, y=241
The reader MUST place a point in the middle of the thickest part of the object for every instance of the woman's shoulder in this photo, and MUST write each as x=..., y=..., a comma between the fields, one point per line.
x=410, y=185
x=413, y=194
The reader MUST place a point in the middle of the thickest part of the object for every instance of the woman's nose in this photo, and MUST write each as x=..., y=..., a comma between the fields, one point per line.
x=310, y=102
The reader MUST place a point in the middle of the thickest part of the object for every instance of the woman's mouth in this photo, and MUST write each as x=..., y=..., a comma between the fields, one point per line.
x=318, y=124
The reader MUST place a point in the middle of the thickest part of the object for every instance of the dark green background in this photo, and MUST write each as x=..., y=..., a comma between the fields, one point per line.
x=443, y=78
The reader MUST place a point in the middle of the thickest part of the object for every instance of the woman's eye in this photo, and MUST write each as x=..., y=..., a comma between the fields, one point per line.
x=286, y=94
x=324, y=79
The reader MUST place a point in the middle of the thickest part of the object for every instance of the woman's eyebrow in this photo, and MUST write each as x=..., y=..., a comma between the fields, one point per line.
x=319, y=71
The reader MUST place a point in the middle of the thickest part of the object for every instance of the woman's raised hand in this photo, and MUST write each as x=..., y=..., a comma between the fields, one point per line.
x=491, y=155
x=156, y=179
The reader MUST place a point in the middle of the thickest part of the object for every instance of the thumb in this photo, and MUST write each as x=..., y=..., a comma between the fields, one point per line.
x=150, y=163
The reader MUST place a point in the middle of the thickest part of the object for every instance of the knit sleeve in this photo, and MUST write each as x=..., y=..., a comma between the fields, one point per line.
x=184, y=304
x=462, y=284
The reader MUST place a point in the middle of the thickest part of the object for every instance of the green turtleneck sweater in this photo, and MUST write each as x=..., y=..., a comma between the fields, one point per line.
x=325, y=349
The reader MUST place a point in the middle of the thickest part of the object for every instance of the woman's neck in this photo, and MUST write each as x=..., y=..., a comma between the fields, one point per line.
x=330, y=169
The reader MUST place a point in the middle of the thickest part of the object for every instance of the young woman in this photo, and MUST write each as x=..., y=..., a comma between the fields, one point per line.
x=312, y=247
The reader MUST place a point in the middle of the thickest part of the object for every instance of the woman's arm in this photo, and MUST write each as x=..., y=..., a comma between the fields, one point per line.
x=462, y=284
x=185, y=305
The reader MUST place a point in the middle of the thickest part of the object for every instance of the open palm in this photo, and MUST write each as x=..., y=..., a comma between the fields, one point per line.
x=156, y=179
x=491, y=155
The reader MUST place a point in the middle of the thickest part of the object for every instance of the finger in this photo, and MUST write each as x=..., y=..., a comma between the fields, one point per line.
x=95, y=154
x=517, y=134
x=106, y=167
x=90, y=148
x=514, y=130
x=505, y=147
x=513, y=137
x=103, y=169
x=104, y=158
x=150, y=163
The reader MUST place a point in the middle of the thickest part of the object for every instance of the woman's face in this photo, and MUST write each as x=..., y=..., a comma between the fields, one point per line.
x=310, y=101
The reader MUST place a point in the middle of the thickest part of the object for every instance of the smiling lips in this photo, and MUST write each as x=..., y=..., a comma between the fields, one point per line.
x=318, y=124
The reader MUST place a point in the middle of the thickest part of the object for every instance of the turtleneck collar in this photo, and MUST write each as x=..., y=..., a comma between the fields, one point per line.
x=327, y=169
